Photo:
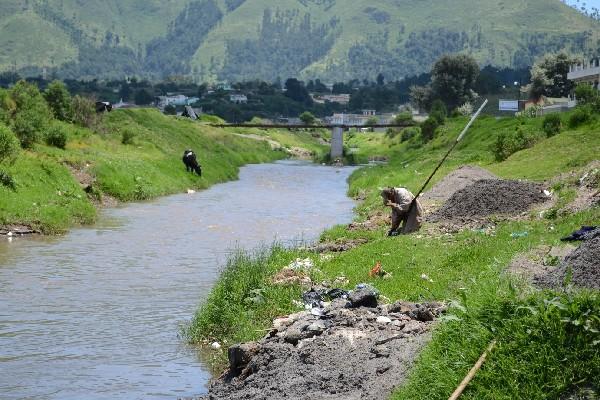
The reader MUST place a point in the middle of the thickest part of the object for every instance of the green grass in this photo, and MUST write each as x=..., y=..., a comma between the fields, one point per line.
x=545, y=345
x=48, y=198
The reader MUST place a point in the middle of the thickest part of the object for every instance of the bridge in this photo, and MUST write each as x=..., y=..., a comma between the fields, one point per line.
x=337, y=131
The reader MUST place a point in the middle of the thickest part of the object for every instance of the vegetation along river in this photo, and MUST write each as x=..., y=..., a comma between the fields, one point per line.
x=96, y=314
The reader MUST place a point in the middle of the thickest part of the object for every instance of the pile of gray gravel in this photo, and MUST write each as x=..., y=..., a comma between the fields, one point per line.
x=583, y=264
x=488, y=197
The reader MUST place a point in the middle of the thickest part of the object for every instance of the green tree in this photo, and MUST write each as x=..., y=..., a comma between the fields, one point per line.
x=29, y=115
x=59, y=100
x=453, y=79
x=428, y=128
x=143, y=97
x=295, y=90
x=307, y=117
x=84, y=111
x=549, y=76
x=9, y=145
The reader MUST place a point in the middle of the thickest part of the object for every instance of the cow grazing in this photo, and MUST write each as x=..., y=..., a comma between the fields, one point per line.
x=103, y=106
x=191, y=163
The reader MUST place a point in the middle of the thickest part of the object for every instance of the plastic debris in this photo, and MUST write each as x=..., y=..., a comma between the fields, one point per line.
x=383, y=320
x=547, y=193
x=215, y=345
x=519, y=234
x=583, y=234
x=190, y=191
x=426, y=278
x=306, y=263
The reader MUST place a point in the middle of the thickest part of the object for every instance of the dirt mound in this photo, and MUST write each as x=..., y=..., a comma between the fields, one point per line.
x=583, y=264
x=339, y=352
x=337, y=246
x=455, y=181
x=491, y=197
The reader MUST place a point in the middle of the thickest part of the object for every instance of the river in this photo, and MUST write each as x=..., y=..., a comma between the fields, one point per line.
x=96, y=314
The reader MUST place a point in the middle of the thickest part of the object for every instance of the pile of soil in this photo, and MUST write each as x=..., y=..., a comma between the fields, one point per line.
x=584, y=266
x=343, y=351
x=455, y=181
x=337, y=246
x=488, y=197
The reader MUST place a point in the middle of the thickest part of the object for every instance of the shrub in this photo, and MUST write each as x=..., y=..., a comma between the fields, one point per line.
x=59, y=99
x=404, y=118
x=56, y=136
x=127, y=136
x=408, y=134
x=9, y=145
x=580, y=116
x=508, y=143
x=84, y=112
x=170, y=110
x=31, y=113
x=586, y=94
x=7, y=180
x=552, y=124
x=466, y=110
x=428, y=128
x=438, y=111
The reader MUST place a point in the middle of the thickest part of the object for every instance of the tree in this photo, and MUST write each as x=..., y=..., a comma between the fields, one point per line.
x=30, y=114
x=84, y=111
x=453, y=79
x=295, y=90
x=143, y=97
x=549, y=76
x=59, y=99
x=308, y=118
x=380, y=79
x=9, y=145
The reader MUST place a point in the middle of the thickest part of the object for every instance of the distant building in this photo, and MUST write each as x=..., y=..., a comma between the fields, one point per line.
x=175, y=100
x=238, y=98
x=332, y=98
x=223, y=86
x=360, y=119
x=586, y=72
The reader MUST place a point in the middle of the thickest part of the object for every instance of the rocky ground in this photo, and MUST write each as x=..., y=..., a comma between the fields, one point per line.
x=352, y=348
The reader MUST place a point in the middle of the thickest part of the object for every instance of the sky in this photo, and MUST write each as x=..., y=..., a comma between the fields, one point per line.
x=589, y=3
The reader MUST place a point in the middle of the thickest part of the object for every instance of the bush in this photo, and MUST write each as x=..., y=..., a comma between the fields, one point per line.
x=7, y=180
x=31, y=114
x=9, y=145
x=438, y=111
x=580, y=116
x=408, y=134
x=84, y=112
x=586, y=94
x=466, y=110
x=127, y=136
x=552, y=124
x=59, y=99
x=508, y=143
x=428, y=128
x=56, y=136
x=404, y=118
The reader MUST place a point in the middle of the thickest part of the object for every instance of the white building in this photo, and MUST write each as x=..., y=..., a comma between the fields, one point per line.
x=238, y=98
x=587, y=71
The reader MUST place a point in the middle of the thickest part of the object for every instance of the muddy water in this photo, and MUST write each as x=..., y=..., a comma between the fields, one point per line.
x=96, y=314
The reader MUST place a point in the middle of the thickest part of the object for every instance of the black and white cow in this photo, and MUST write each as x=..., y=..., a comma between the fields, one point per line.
x=191, y=163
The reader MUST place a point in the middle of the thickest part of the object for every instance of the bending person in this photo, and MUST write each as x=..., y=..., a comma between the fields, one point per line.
x=400, y=199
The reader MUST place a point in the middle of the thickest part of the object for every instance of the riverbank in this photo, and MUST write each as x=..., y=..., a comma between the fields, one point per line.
x=547, y=343
x=56, y=189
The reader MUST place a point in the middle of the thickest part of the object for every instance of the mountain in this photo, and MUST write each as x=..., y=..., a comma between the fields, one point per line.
x=212, y=40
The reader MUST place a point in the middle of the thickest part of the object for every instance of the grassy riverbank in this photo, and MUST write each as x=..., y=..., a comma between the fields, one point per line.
x=547, y=341
x=48, y=195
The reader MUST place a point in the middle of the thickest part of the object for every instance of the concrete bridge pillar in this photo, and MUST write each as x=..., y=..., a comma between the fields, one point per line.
x=337, y=143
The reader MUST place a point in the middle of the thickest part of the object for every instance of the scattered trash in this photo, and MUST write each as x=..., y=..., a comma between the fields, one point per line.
x=583, y=234
x=9, y=234
x=306, y=263
x=379, y=272
x=190, y=191
x=547, y=193
x=289, y=276
x=383, y=320
x=326, y=257
x=426, y=278
x=215, y=345
x=315, y=298
x=519, y=234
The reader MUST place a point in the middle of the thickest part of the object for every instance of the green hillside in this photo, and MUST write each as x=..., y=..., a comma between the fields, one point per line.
x=238, y=39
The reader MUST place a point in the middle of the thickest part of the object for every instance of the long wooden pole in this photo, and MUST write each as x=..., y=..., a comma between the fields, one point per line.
x=463, y=385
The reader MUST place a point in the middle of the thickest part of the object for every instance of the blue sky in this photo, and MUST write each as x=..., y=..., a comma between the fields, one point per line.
x=589, y=3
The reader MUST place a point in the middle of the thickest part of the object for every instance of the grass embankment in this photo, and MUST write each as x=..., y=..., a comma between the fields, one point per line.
x=547, y=342
x=49, y=198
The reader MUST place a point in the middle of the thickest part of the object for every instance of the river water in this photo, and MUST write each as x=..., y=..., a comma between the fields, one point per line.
x=95, y=314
